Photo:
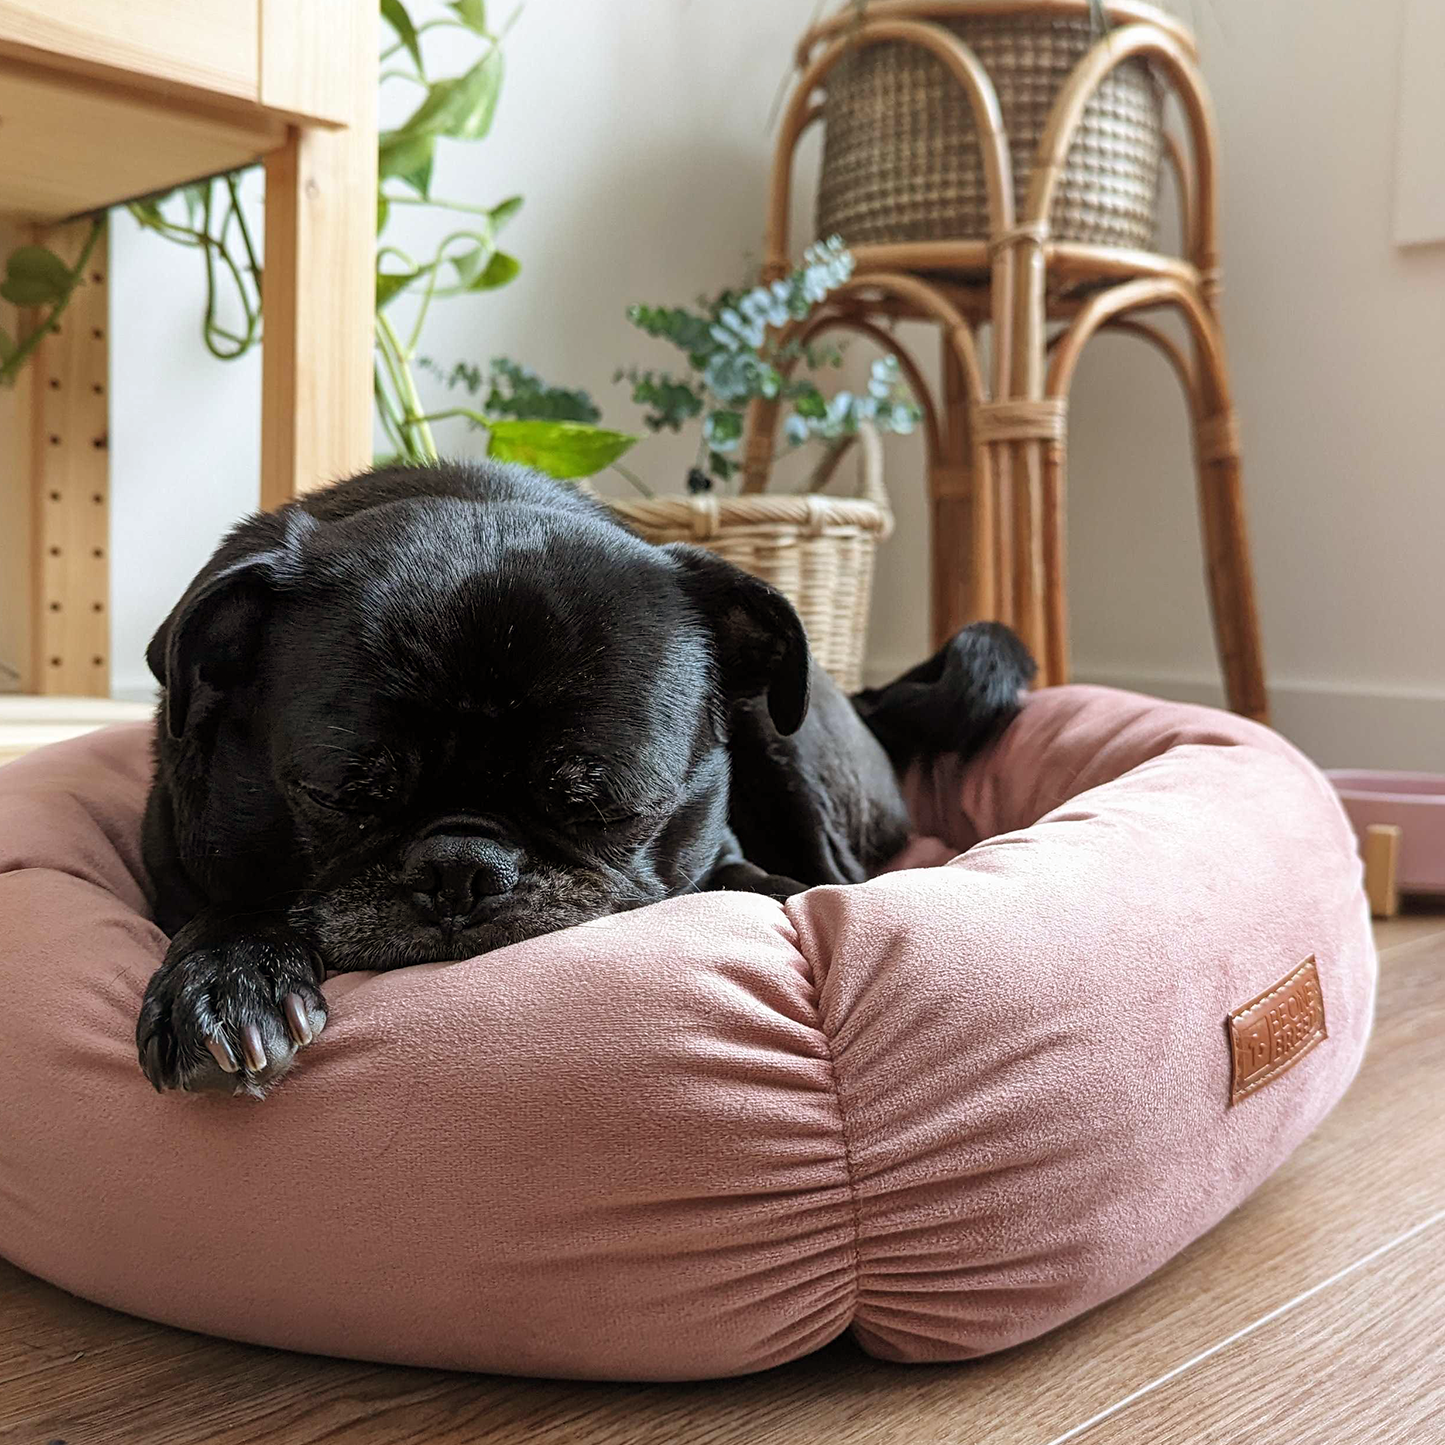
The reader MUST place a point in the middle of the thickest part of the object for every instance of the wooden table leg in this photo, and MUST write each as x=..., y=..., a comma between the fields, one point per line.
x=318, y=291
x=70, y=486
x=16, y=505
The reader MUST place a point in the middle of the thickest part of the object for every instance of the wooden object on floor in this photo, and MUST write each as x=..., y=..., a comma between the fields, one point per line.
x=1320, y=1247
x=997, y=448
x=1382, y=869
x=100, y=103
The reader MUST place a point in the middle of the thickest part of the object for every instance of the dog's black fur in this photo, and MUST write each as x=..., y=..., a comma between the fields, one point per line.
x=433, y=711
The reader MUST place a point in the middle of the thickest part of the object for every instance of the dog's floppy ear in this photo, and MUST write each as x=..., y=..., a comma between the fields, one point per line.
x=211, y=638
x=761, y=645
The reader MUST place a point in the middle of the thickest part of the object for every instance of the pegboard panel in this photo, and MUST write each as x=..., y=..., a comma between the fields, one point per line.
x=70, y=478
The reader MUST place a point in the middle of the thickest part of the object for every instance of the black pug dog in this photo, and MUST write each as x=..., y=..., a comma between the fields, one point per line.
x=433, y=711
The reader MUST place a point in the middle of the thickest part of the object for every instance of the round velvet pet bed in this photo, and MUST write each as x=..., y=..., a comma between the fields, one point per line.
x=948, y=1109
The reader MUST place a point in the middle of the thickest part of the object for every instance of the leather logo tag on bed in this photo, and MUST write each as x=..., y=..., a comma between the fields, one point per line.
x=1272, y=1033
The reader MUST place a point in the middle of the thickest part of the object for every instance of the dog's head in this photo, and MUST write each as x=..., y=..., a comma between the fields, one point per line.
x=446, y=725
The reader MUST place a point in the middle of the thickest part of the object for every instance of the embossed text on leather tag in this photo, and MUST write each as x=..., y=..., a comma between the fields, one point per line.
x=1275, y=1031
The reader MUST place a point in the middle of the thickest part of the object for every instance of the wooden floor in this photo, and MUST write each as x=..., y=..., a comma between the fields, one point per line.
x=1316, y=1313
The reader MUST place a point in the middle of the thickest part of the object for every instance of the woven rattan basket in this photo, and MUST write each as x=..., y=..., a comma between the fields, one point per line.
x=900, y=159
x=817, y=551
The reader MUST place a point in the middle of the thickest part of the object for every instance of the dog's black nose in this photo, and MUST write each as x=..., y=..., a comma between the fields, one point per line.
x=449, y=874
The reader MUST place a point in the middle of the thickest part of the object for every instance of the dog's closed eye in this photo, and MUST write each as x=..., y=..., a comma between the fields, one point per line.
x=354, y=800
x=584, y=793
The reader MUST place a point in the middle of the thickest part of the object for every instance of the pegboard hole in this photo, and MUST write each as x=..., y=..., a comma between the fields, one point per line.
x=55, y=607
x=97, y=498
x=54, y=383
x=55, y=551
x=55, y=496
x=97, y=551
x=97, y=606
x=55, y=662
x=98, y=389
x=54, y=440
x=97, y=662
x=98, y=333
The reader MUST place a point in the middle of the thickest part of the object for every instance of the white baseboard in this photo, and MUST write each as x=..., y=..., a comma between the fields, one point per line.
x=1338, y=725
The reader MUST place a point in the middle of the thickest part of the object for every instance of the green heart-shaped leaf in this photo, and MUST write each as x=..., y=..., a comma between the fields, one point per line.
x=390, y=284
x=408, y=158
x=463, y=106
x=500, y=269
x=562, y=449
x=394, y=13
x=472, y=14
x=35, y=276
x=503, y=211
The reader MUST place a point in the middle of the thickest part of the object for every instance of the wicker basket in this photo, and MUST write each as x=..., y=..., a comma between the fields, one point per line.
x=900, y=158
x=817, y=551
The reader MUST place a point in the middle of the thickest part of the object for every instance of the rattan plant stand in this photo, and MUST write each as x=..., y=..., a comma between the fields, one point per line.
x=996, y=444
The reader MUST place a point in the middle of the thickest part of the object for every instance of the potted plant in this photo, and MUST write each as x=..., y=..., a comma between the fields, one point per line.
x=818, y=550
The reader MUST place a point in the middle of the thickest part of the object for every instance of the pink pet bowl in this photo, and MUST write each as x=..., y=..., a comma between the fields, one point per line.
x=1414, y=803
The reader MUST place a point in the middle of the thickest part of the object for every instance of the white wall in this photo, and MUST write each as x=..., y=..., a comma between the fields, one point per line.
x=1337, y=346
x=638, y=132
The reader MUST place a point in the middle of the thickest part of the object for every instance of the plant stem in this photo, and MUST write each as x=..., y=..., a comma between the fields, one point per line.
x=436, y=201
x=422, y=30
x=396, y=406
x=387, y=412
x=400, y=364
x=240, y=214
x=389, y=250
x=21, y=354
x=634, y=479
x=426, y=296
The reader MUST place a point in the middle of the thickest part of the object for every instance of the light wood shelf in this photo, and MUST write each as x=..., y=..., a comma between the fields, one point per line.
x=101, y=103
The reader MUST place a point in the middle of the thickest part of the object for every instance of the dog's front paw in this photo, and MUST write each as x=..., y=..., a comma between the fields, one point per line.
x=748, y=878
x=230, y=1011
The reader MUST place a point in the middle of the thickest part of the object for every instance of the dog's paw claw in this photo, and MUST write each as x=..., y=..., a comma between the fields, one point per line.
x=221, y=1052
x=229, y=1017
x=252, y=1049
x=296, y=1021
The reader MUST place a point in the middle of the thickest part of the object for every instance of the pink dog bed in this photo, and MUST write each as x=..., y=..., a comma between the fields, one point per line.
x=947, y=1109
